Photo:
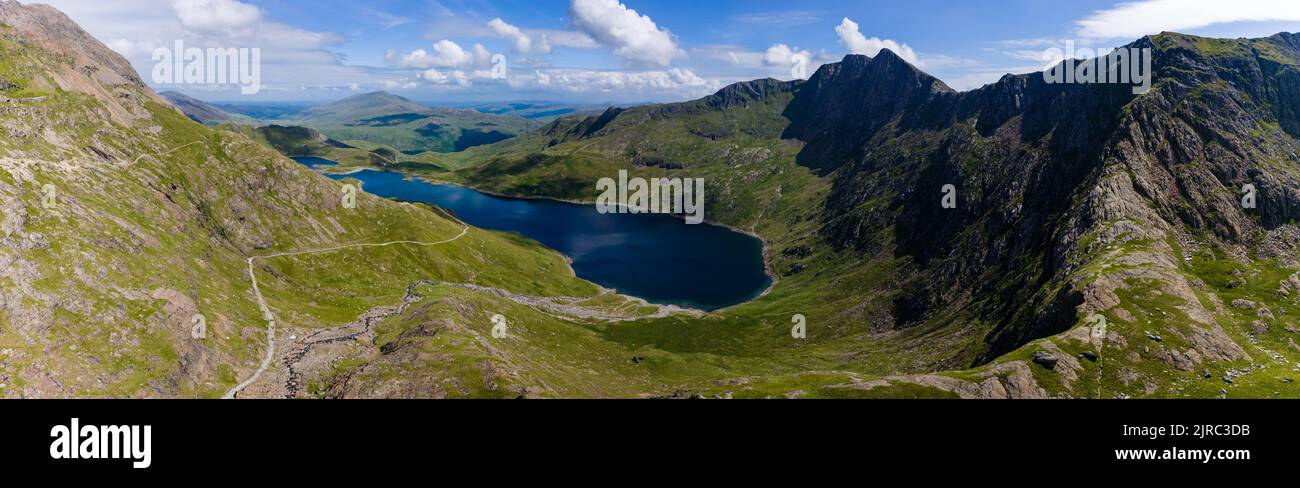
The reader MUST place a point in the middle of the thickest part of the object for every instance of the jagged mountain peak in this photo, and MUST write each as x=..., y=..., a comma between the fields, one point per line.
x=881, y=71
x=53, y=30
x=845, y=103
x=747, y=92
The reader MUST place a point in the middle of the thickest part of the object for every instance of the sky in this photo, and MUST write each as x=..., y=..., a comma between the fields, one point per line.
x=626, y=51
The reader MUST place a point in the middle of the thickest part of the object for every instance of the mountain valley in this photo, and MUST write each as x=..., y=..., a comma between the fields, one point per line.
x=1098, y=247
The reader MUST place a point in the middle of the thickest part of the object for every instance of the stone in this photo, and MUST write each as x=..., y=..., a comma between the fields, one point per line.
x=1045, y=359
x=1243, y=304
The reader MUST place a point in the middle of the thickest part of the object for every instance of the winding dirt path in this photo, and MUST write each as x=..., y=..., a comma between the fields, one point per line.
x=169, y=151
x=270, y=317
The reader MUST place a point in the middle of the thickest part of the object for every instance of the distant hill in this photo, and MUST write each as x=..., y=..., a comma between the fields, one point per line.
x=540, y=111
x=362, y=107
x=200, y=111
x=385, y=119
x=295, y=141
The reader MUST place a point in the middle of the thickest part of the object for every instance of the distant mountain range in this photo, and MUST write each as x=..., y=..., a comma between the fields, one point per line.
x=539, y=111
x=381, y=119
x=201, y=111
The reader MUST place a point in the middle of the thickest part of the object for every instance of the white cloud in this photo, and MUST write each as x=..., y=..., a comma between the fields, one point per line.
x=446, y=54
x=796, y=63
x=1140, y=18
x=448, y=64
x=523, y=42
x=131, y=49
x=293, y=59
x=482, y=57
x=668, y=84
x=855, y=42
x=216, y=16
x=459, y=77
x=632, y=36
x=675, y=82
x=736, y=63
x=783, y=55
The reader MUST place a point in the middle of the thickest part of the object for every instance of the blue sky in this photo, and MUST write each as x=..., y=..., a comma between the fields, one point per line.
x=626, y=51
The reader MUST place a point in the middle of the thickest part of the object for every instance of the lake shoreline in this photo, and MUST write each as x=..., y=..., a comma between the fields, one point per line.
x=773, y=279
x=765, y=246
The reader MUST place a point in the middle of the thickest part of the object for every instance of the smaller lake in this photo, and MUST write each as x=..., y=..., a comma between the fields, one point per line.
x=655, y=257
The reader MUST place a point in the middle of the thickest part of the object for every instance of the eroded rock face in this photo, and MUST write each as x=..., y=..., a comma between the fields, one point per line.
x=1050, y=176
x=1011, y=380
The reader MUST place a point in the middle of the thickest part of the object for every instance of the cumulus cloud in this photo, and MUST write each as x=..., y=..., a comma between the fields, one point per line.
x=445, y=54
x=853, y=40
x=523, y=42
x=216, y=16
x=783, y=55
x=632, y=36
x=459, y=77
x=1140, y=18
x=799, y=63
x=447, y=64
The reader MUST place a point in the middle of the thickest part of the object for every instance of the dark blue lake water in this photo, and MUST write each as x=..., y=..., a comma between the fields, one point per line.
x=656, y=257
